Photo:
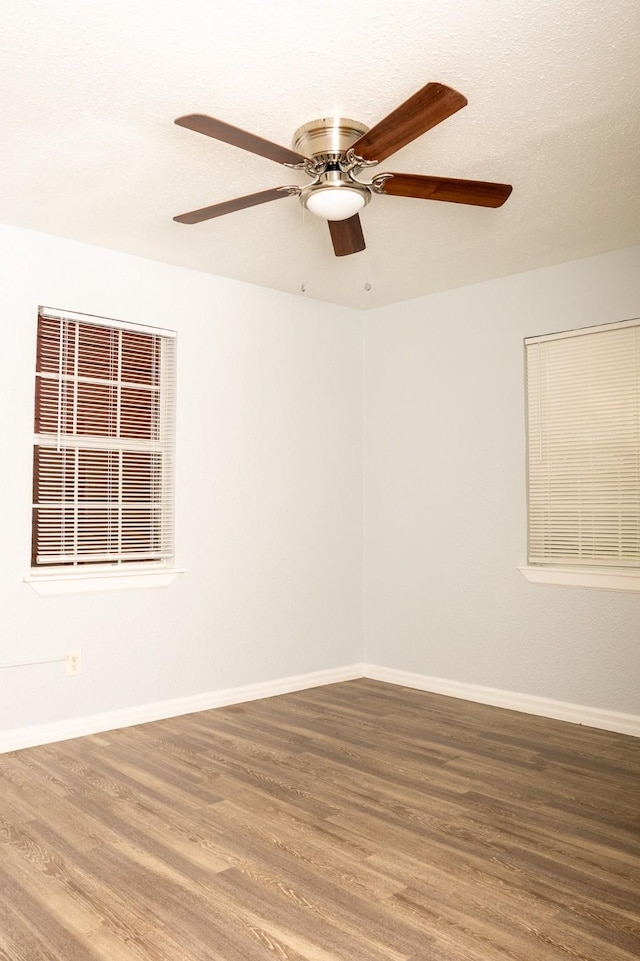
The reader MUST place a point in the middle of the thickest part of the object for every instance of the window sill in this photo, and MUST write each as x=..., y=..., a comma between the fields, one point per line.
x=59, y=583
x=600, y=578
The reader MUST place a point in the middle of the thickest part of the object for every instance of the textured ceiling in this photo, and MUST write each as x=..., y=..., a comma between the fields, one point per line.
x=89, y=150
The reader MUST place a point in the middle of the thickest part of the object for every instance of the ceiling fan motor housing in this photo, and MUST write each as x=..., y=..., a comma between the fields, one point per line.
x=327, y=142
x=327, y=139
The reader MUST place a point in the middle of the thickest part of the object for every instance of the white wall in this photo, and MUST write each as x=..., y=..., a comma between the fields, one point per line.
x=269, y=507
x=270, y=500
x=445, y=494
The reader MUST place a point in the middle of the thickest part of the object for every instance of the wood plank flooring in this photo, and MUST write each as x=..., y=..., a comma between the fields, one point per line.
x=354, y=822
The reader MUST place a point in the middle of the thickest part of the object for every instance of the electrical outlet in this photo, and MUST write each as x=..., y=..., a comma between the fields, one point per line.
x=74, y=664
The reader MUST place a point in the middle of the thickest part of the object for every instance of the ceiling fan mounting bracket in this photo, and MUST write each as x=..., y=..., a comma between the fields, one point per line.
x=377, y=184
x=352, y=160
x=312, y=168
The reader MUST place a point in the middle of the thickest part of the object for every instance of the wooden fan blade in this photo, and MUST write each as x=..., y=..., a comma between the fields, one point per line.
x=347, y=236
x=220, y=130
x=428, y=107
x=476, y=192
x=228, y=206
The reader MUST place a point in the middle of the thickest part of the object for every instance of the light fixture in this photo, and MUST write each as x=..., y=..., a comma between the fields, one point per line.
x=332, y=204
x=335, y=196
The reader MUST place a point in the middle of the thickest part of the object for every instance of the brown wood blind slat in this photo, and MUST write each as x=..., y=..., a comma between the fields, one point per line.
x=104, y=498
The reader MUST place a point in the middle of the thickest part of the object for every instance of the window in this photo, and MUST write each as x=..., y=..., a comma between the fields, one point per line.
x=583, y=415
x=103, y=471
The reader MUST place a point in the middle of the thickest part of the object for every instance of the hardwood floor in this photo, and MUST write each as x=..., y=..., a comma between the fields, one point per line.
x=354, y=822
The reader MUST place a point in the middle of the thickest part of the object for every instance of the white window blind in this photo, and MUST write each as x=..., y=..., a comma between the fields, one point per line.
x=103, y=487
x=583, y=409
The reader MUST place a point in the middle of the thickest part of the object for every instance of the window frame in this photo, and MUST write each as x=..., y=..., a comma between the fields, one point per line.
x=604, y=570
x=146, y=442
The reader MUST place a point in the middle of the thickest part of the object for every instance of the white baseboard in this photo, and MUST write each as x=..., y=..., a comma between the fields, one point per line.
x=19, y=738
x=527, y=703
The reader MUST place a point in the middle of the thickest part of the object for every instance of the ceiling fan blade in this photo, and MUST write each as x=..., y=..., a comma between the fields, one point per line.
x=347, y=236
x=426, y=108
x=476, y=192
x=228, y=206
x=220, y=130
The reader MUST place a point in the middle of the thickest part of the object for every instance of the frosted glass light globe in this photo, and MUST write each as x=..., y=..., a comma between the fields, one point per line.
x=335, y=203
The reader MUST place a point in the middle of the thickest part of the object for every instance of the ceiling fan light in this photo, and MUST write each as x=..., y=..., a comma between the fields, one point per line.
x=335, y=203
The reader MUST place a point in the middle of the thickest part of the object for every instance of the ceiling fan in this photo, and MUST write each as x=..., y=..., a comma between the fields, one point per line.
x=334, y=152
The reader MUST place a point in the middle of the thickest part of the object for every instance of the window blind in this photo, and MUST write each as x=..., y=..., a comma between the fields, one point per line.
x=583, y=412
x=103, y=487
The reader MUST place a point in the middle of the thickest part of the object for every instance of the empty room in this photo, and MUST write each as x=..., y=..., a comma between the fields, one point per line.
x=320, y=566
